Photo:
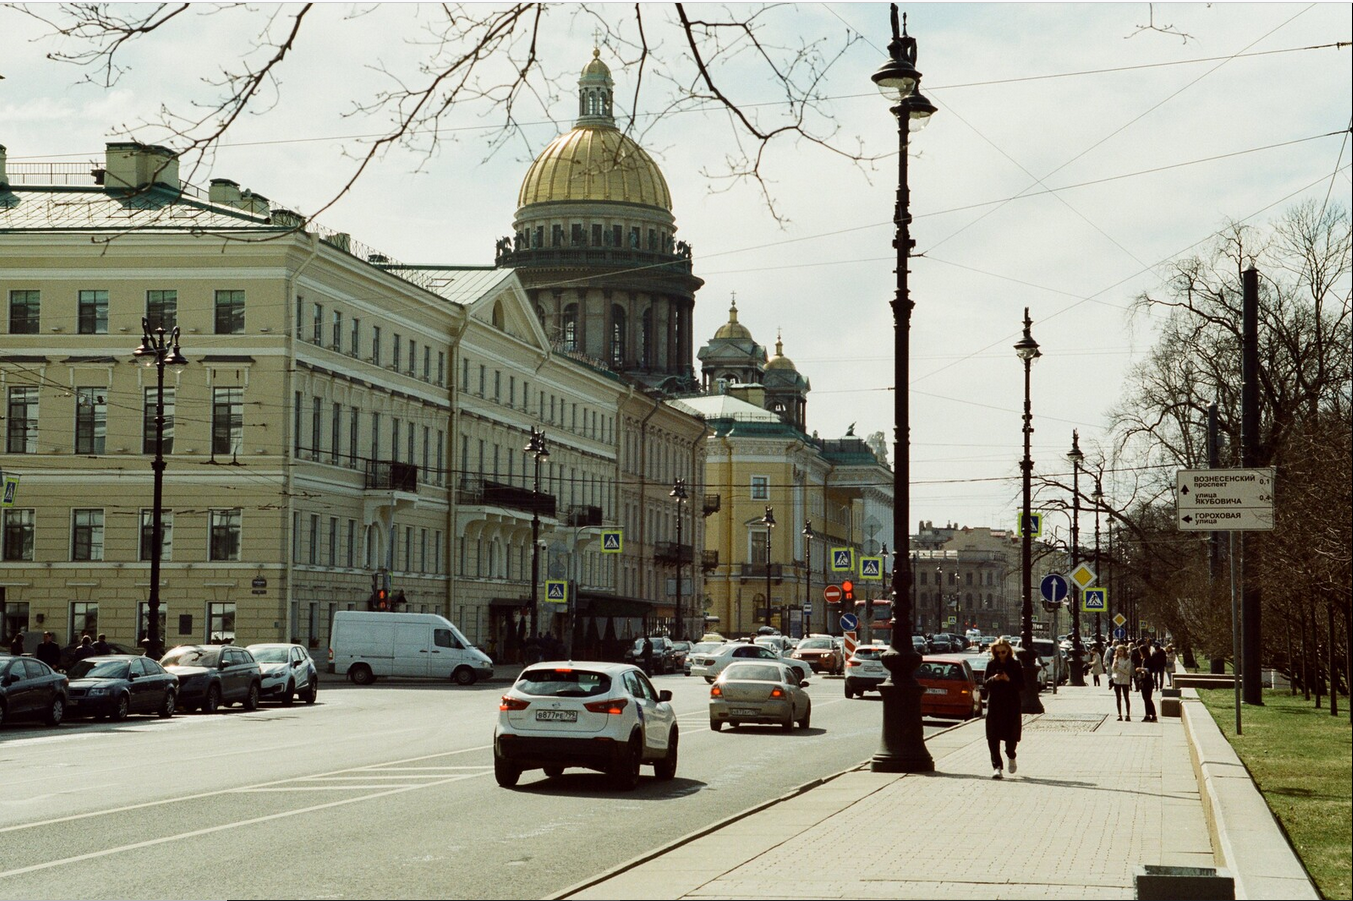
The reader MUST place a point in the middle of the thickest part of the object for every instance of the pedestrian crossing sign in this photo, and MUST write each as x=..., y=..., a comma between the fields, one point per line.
x=11, y=490
x=556, y=591
x=871, y=568
x=1095, y=600
x=612, y=541
x=1035, y=525
x=843, y=560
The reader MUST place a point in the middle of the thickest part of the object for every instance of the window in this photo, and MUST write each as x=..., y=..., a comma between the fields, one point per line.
x=570, y=327
x=376, y=344
x=227, y=420
x=229, y=312
x=297, y=421
x=93, y=313
x=147, y=544
x=143, y=620
x=441, y=456
x=482, y=371
x=220, y=623
x=336, y=433
x=556, y=236
x=162, y=309
x=91, y=421
x=355, y=341
x=148, y=401
x=18, y=537
x=394, y=441
x=413, y=356
x=617, y=238
x=760, y=488
x=296, y=538
x=352, y=436
x=84, y=619
x=410, y=445
x=441, y=367
x=617, y=336
x=427, y=442
x=225, y=535
x=351, y=559
x=427, y=362
x=316, y=426
x=23, y=312
x=313, y=556
x=596, y=234
x=375, y=436
x=86, y=541
x=317, y=325
x=395, y=351
x=337, y=331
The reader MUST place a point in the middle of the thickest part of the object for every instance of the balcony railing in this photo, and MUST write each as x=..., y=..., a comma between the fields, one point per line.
x=711, y=504
x=758, y=571
x=483, y=492
x=709, y=560
x=670, y=552
x=652, y=260
x=584, y=516
x=388, y=475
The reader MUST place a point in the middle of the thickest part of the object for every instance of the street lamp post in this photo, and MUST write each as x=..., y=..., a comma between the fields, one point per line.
x=157, y=350
x=769, y=522
x=1027, y=350
x=1077, y=649
x=536, y=447
x=1098, y=498
x=902, y=748
x=678, y=493
x=808, y=580
x=883, y=575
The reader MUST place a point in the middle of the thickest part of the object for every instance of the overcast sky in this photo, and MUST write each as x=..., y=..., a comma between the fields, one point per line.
x=1125, y=100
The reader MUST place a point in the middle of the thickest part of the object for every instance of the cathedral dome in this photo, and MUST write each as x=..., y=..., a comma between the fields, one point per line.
x=732, y=328
x=780, y=361
x=595, y=162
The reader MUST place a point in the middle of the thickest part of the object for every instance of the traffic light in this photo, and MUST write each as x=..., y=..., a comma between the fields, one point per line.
x=382, y=598
x=848, y=590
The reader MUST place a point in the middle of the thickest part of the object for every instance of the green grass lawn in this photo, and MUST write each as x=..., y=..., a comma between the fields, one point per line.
x=1302, y=760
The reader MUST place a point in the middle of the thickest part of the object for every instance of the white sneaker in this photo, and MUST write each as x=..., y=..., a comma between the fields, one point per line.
x=996, y=774
x=1014, y=766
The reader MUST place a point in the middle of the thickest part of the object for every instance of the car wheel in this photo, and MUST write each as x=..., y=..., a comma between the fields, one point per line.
x=2, y=714
x=807, y=716
x=463, y=676
x=709, y=679
x=289, y=695
x=716, y=725
x=57, y=712
x=167, y=708
x=849, y=693
x=625, y=771
x=213, y=701
x=313, y=691
x=788, y=724
x=361, y=675
x=553, y=772
x=666, y=768
x=506, y=774
x=121, y=710
x=251, y=699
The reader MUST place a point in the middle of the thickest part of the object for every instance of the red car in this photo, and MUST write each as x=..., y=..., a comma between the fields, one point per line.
x=949, y=688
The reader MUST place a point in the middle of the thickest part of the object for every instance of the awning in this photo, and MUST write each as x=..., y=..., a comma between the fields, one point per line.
x=598, y=603
x=509, y=602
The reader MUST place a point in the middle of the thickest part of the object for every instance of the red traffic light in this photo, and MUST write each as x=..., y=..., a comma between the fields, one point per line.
x=382, y=599
x=848, y=587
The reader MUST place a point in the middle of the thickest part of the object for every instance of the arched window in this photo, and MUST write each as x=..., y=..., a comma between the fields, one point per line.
x=617, y=336
x=498, y=314
x=646, y=338
x=570, y=327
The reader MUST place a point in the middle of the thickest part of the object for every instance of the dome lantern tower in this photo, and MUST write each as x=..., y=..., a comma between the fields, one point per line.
x=596, y=94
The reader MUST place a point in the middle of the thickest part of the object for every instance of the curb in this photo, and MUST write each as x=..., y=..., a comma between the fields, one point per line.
x=720, y=824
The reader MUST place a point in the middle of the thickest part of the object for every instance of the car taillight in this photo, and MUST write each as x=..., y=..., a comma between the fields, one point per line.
x=852, y=663
x=513, y=704
x=776, y=693
x=613, y=706
x=716, y=692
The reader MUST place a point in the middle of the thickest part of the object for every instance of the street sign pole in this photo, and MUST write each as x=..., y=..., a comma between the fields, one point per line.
x=1235, y=628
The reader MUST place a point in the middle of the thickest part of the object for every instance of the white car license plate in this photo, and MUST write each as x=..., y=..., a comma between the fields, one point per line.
x=936, y=691
x=557, y=716
x=745, y=711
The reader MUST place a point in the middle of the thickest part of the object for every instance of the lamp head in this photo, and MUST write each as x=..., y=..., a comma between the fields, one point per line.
x=769, y=519
x=1075, y=455
x=678, y=490
x=897, y=78
x=808, y=528
x=918, y=110
x=1027, y=348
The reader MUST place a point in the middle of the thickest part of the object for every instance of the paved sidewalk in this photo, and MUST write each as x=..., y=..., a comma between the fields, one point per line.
x=1094, y=798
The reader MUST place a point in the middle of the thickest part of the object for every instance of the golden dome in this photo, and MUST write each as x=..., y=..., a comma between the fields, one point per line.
x=780, y=361
x=594, y=162
x=732, y=328
x=596, y=66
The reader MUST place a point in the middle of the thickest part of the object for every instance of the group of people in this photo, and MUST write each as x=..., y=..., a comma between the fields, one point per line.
x=49, y=652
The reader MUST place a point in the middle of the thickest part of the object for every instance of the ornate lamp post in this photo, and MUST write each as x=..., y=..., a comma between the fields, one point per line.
x=769, y=522
x=1027, y=350
x=1077, y=649
x=678, y=493
x=902, y=748
x=1098, y=498
x=157, y=350
x=808, y=580
x=536, y=447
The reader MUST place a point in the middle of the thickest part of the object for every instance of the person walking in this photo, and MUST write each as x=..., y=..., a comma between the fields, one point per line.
x=49, y=652
x=85, y=650
x=1146, y=684
x=1120, y=677
x=101, y=646
x=16, y=644
x=1003, y=684
x=648, y=656
x=1170, y=659
x=1156, y=666
x=1097, y=663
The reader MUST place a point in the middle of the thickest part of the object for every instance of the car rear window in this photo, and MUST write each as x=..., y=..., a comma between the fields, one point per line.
x=752, y=672
x=563, y=683
x=809, y=644
x=940, y=671
x=868, y=653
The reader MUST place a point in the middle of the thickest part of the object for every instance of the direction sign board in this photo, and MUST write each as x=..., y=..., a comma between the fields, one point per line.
x=1054, y=588
x=849, y=622
x=1094, y=600
x=808, y=608
x=832, y=594
x=1083, y=576
x=1224, y=500
x=871, y=568
x=843, y=560
x=556, y=591
x=1119, y=619
x=612, y=541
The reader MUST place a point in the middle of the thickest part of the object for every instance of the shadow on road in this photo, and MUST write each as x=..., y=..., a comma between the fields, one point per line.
x=588, y=784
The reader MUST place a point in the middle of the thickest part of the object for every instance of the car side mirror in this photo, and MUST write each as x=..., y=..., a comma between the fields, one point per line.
x=131, y=677
x=10, y=680
x=223, y=665
x=664, y=695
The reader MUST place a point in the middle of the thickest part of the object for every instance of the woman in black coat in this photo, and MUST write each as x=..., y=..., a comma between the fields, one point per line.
x=1004, y=683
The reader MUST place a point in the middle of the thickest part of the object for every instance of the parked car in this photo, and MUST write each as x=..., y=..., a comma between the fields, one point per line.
x=212, y=676
x=30, y=688
x=950, y=688
x=759, y=692
x=864, y=670
x=115, y=686
x=664, y=655
x=681, y=650
x=710, y=664
x=599, y=716
x=68, y=652
x=287, y=670
x=1048, y=656
x=700, y=648
x=819, y=651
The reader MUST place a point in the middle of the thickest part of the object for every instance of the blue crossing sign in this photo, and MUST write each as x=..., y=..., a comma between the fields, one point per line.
x=1054, y=588
x=871, y=568
x=612, y=541
x=1094, y=600
x=556, y=591
x=843, y=560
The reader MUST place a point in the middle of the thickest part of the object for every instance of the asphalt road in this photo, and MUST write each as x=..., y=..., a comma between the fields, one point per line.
x=378, y=792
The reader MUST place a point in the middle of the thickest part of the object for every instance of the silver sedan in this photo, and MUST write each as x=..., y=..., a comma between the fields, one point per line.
x=759, y=692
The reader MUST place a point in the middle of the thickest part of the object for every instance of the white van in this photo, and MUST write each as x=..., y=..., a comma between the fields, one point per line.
x=364, y=645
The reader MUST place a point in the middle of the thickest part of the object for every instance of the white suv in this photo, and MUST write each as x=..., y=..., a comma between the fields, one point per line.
x=865, y=670
x=711, y=663
x=600, y=716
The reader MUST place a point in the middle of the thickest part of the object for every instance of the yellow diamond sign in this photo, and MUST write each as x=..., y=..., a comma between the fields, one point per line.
x=1119, y=619
x=1083, y=576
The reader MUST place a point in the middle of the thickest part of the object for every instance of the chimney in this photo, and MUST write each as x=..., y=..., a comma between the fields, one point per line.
x=133, y=166
x=225, y=192
x=4, y=177
x=288, y=219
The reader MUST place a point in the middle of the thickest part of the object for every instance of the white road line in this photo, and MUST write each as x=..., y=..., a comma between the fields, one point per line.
x=312, y=788
x=150, y=843
x=223, y=791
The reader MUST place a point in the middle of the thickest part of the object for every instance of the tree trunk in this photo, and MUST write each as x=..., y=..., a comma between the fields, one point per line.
x=1334, y=663
x=1291, y=664
x=1305, y=656
x=1190, y=661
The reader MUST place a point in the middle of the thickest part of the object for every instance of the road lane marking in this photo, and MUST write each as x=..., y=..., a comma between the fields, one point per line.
x=222, y=791
x=150, y=843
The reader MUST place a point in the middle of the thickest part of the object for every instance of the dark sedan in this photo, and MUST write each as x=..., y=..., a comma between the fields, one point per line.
x=69, y=654
x=211, y=676
x=115, y=686
x=31, y=689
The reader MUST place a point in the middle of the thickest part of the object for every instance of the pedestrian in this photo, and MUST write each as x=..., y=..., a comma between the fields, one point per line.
x=1120, y=677
x=16, y=644
x=1109, y=651
x=1097, y=662
x=648, y=655
x=1170, y=659
x=85, y=650
x=1146, y=683
x=1157, y=666
x=102, y=647
x=49, y=652
x=1003, y=685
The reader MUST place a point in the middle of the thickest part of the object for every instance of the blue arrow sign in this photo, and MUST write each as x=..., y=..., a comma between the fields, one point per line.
x=1054, y=588
x=1120, y=633
x=849, y=622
